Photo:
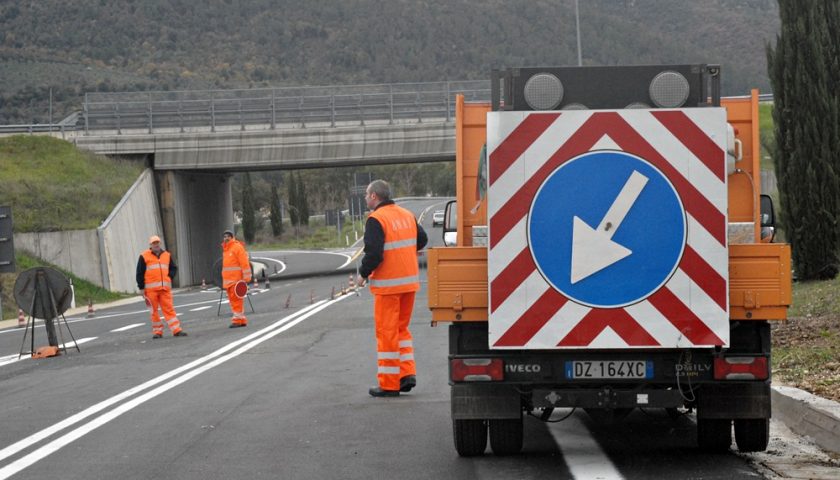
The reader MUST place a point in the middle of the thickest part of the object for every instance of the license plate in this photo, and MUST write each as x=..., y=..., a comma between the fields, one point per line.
x=600, y=369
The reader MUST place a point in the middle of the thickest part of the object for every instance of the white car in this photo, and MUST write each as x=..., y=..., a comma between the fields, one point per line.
x=437, y=218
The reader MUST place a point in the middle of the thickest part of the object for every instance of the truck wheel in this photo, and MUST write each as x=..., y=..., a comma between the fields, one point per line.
x=470, y=437
x=506, y=436
x=714, y=434
x=752, y=434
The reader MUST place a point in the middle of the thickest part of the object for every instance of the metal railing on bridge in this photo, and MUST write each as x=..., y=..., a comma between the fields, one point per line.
x=278, y=107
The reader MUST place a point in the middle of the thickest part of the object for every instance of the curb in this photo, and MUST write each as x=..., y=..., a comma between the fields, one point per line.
x=808, y=415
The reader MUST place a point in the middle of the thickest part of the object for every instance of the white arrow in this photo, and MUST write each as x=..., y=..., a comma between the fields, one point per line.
x=593, y=249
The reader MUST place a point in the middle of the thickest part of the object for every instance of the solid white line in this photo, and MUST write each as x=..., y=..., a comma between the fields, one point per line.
x=69, y=345
x=129, y=327
x=581, y=452
x=38, y=436
x=79, y=432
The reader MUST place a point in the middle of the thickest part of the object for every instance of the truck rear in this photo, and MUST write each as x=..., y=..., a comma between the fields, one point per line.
x=613, y=252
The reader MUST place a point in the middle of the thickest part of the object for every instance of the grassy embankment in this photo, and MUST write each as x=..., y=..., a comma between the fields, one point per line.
x=53, y=186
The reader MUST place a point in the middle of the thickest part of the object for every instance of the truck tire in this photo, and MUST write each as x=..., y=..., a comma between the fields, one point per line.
x=470, y=437
x=752, y=434
x=714, y=434
x=506, y=436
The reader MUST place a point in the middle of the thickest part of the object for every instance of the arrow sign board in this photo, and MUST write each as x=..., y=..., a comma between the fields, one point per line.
x=608, y=229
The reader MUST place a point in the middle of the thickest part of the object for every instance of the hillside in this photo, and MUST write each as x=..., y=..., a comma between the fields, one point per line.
x=92, y=45
x=52, y=186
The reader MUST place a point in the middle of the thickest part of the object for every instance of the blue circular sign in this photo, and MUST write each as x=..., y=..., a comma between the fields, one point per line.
x=606, y=229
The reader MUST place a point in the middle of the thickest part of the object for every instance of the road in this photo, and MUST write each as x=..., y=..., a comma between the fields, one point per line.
x=287, y=397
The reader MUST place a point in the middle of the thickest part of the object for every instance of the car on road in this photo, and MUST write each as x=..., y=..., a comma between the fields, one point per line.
x=437, y=218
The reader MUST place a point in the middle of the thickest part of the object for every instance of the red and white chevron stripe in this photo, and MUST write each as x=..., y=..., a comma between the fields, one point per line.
x=689, y=310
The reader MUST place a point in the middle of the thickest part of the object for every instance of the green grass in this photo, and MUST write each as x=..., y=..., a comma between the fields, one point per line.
x=766, y=135
x=51, y=185
x=816, y=298
x=313, y=237
x=84, y=290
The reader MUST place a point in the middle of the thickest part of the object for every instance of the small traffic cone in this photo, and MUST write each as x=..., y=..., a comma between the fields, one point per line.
x=351, y=282
x=311, y=297
x=332, y=293
x=21, y=319
x=90, y=308
x=288, y=301
x=256, y=282
x=267, y=284
x=203, y=284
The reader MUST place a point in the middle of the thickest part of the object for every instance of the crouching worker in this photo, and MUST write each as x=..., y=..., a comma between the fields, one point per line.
x=155, y=270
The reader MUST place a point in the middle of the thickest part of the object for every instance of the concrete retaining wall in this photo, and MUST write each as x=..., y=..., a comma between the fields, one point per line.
x=125, y=233
x=76, y=251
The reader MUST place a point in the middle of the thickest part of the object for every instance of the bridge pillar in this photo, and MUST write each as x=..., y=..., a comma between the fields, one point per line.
x=196, y=207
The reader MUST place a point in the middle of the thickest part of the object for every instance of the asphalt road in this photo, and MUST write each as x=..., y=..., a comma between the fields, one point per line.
x=287, y=398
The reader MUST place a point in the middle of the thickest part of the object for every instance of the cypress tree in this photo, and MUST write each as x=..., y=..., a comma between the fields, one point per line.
x=249, y=210
x=303, y=202
x=294, y=214
x=276, y=212
x=804, y=67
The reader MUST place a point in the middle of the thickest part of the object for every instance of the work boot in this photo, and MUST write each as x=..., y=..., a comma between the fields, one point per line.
x=407, y=383
x=378, y=392
x=180, y=333
x=156, y=336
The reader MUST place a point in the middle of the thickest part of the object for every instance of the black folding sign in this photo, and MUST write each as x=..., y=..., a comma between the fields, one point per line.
x=7, y=244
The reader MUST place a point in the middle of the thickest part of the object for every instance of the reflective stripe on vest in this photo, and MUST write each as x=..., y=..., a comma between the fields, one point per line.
x=395, y=282
x=158, y=284
x=411, y=242
x=388, y=355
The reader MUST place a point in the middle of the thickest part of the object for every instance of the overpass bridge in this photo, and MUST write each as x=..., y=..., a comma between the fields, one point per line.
x=192, y=141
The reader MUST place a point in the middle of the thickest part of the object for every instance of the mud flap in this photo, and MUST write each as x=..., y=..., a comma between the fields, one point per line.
x=485, y=402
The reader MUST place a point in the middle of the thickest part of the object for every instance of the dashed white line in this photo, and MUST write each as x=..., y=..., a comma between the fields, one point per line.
x=581, y=452
x=200, y=308
x=129, y=327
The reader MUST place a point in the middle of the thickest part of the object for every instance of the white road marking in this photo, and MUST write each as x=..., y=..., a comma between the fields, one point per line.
x=129, y=327
x=201, y=308
x=581, y=452
x=9, y=359
x=189, y=371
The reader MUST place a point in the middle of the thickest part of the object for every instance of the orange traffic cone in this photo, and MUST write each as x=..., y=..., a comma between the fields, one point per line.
x=311, y=297
x=256, y=282
x=267, y=284
x=203, y=284
x=21, y=319
x=90, y=308
x=288, y=301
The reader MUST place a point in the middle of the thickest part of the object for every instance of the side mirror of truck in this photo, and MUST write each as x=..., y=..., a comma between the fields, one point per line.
x=768, y=219
x=450, y=224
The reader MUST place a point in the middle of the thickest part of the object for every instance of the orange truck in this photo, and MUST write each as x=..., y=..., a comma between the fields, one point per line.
x=612, y=251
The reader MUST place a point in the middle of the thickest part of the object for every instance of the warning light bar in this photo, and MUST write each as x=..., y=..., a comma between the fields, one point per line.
x=477, y=369
x=741, y=368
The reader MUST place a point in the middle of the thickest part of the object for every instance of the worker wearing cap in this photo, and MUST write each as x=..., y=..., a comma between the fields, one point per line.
x=392, y=239
x=235, y=267
x=155, y=270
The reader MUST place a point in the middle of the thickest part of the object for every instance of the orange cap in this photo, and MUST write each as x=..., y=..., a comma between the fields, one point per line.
x=154, y=239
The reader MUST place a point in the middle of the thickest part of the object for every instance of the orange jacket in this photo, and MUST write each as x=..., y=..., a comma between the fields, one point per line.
x=157, y=271
x=398, y=272
x=235, y=263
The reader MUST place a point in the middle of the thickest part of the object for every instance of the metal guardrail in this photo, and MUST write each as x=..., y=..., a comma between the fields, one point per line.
x=272, y=107
x=277, y=107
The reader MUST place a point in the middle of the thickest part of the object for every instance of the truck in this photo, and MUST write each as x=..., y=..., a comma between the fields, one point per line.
x=613, y=251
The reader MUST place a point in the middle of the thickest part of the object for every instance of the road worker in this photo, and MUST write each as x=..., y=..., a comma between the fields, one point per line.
x=235, y=267
x=392, y=239
x=155, y=270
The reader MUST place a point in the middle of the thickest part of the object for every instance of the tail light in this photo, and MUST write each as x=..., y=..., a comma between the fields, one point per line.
x=741, y=368
x=477, y=369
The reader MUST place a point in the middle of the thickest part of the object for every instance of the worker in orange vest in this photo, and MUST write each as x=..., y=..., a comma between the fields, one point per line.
x=155, y=270
x=235, y=267
x=392, y=239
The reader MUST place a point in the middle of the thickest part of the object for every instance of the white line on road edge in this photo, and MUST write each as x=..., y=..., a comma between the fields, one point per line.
x=198, y=309
x=11, y=469
x=17, y=357
x=581, y=452
x=129, y=327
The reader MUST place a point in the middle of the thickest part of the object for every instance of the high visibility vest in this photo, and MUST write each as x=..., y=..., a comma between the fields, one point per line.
x=157, y=271
x=235, y=263
x=398, y=272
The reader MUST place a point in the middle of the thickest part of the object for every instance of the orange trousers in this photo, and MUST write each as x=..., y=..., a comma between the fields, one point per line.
x=394, y=345
x=162, y=299
x=237, y=306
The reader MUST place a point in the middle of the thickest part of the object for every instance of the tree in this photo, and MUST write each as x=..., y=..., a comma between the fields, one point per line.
x=276, y=212
x=804, y=67
x=249, y=210
x=294, y=214
x=302, y=202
